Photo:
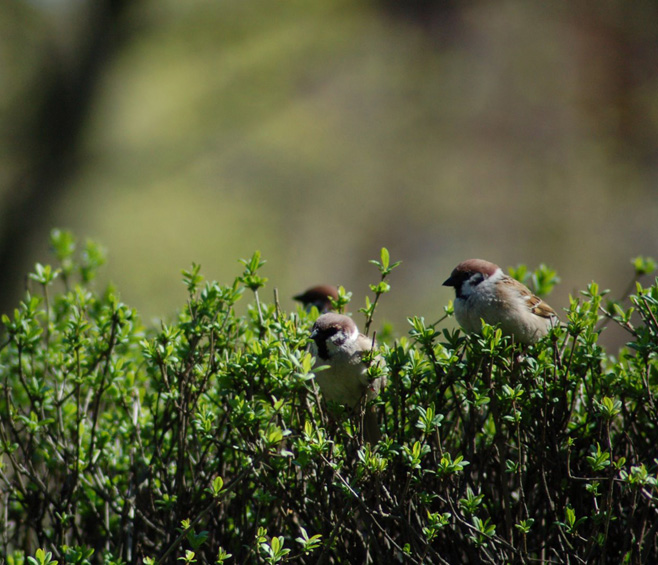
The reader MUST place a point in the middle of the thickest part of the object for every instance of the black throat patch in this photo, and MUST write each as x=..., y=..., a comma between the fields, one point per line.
x=321, y=341
x=323, y=352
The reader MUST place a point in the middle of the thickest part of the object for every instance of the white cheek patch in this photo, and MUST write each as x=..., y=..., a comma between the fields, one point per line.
x=470, y=285
x=341, y=338
x=337, y=340
x=467, y=289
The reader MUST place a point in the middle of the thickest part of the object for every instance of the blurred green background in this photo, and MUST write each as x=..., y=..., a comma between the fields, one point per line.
x=318, y=132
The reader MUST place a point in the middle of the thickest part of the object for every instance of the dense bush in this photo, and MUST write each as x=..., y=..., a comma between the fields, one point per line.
x=205, y=439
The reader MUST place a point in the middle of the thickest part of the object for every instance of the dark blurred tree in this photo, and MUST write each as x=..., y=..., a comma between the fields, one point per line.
x=620, y=50
x=481, y=84
x=431, y=15
x=45, y=133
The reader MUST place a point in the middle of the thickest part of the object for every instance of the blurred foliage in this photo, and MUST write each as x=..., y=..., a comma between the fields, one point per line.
x=204, y=440
x=517, y=132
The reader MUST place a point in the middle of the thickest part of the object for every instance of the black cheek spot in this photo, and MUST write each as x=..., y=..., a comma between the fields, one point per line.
x=476, y=279
x=340, y=340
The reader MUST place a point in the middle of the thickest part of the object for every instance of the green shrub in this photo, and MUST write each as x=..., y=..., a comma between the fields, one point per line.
x=204, y=440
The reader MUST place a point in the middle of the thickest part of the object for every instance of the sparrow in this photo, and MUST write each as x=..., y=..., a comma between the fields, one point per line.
x=337, y=343
x=484, y=292
x=318, y=296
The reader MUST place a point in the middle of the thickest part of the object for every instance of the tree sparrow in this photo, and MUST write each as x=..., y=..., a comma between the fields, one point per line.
x=484, y=292
x=338, y=344
x=318, y=296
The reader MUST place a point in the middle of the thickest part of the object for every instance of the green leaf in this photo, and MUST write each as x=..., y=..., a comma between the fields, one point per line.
x=384, y=258
x=643, y=265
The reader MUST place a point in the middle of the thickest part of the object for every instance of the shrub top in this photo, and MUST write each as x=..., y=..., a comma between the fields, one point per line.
x=206, y=440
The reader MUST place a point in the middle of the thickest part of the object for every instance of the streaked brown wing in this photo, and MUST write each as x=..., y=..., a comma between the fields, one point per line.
x=535, y=304
x=542, y=309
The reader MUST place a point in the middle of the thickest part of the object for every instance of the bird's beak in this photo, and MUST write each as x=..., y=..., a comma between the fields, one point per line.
x=314, y=334
x=450, y=282
x=298, y=297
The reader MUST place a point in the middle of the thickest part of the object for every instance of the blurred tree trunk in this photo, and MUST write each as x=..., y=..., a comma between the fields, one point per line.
x=48, y=139
x=440, y=18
